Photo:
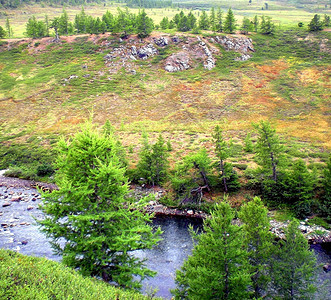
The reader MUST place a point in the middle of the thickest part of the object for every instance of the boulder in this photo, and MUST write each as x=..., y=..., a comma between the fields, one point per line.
x=177, y=62
x=161, y=41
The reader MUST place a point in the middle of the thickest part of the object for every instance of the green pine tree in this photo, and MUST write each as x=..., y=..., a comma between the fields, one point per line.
x=256, y=23
x=144, y=25
x=293, y=273
x=269, y=151
x=229, y=178
x=212, y=19
x=88, y=219
x=2, y=32
x=230, y=22
x=219, y=20
x=315, y=24
x=248, y=144
x=259, y=244
x=267, y=26
x=246, y=26
x=192, y=176
x=204, y=21
x=325, y=201
x=300, y=188
x=217, y=268
x=153, y=164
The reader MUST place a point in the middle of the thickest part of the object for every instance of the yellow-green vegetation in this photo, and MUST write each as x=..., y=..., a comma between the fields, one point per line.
x=24, y=277
x=283, y=13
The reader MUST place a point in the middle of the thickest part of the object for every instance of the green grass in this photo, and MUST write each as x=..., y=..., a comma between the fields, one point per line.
x=24, y=277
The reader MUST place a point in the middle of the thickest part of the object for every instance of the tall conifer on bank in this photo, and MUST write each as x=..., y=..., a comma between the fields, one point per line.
x=89, y=221
x=294, y=271
x=259, y=246
x=217, y=268
x=153, y=164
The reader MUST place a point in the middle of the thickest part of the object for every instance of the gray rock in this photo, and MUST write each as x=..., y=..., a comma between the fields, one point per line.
x=6, y=204
x=161, y=41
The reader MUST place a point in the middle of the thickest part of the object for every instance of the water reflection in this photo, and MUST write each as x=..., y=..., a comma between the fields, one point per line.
x=169, y=254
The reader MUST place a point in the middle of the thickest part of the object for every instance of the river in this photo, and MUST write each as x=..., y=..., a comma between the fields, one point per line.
x=19, y=232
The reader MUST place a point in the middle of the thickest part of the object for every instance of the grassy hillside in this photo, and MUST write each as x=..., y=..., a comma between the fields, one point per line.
x=24, y=277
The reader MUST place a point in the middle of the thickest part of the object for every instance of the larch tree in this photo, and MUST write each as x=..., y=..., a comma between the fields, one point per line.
x=89, y=220
x=228, y=176
x=269, y=151
x=230, y=22
x=219, y=20
x=259, y=244
x=144, y=25
x=294, y=270
x=217, y=268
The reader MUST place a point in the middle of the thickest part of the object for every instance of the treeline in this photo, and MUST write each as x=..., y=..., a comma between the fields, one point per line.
x=17, y=3
x=129, y=3
x=124, y=23
x=147, y=3
x=216, y=21
x=278, y=179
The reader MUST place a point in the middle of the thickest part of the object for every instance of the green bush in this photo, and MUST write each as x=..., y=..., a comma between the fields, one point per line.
x=24, y=277
x=45, y=170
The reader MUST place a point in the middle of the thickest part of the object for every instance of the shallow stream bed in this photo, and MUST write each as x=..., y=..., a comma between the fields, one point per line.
x=19, y=232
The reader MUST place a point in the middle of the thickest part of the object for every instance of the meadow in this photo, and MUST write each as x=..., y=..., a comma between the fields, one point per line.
x=284, y=14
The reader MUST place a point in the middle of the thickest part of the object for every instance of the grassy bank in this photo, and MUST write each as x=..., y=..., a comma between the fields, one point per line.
x=24, y=277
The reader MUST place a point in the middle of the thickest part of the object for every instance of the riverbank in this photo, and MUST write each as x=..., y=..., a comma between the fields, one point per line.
x=25, y=191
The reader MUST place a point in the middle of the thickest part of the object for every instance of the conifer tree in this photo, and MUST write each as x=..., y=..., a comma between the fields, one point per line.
x=230, y=22
x=46, y=25
x=153, y=164
x=164, y=24
x=91, y=224
x=228, y=177
x=267, y=26
x=204, y=21
x=325, y=201
x=300, y=188
x=55, y=25
x=217, y=268
x=192, y=176
x=35, y=28
x=2, y=32
x=315, y=24
x=294, y=271
x=144, y=25
x=256, y=23
x=258, y=240
x=269, y=151
x=212, y=19
x=248, y=146
x=9, y=28
x=246, y=26
x=219, y=20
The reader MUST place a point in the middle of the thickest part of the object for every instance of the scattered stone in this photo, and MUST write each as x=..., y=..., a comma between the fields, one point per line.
x=6, y=204
x=24, y=242
x=33, y=199
x=16, y=199
x=327, y=268
x=147, y=51
x=161, y=41
x=190, y=212
x=30, y=207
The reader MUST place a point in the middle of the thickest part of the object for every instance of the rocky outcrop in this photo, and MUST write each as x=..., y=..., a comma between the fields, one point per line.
x=242, y=45
x=177, y=62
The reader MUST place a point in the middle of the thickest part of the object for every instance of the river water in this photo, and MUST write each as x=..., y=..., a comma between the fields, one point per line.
x=19, y=232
